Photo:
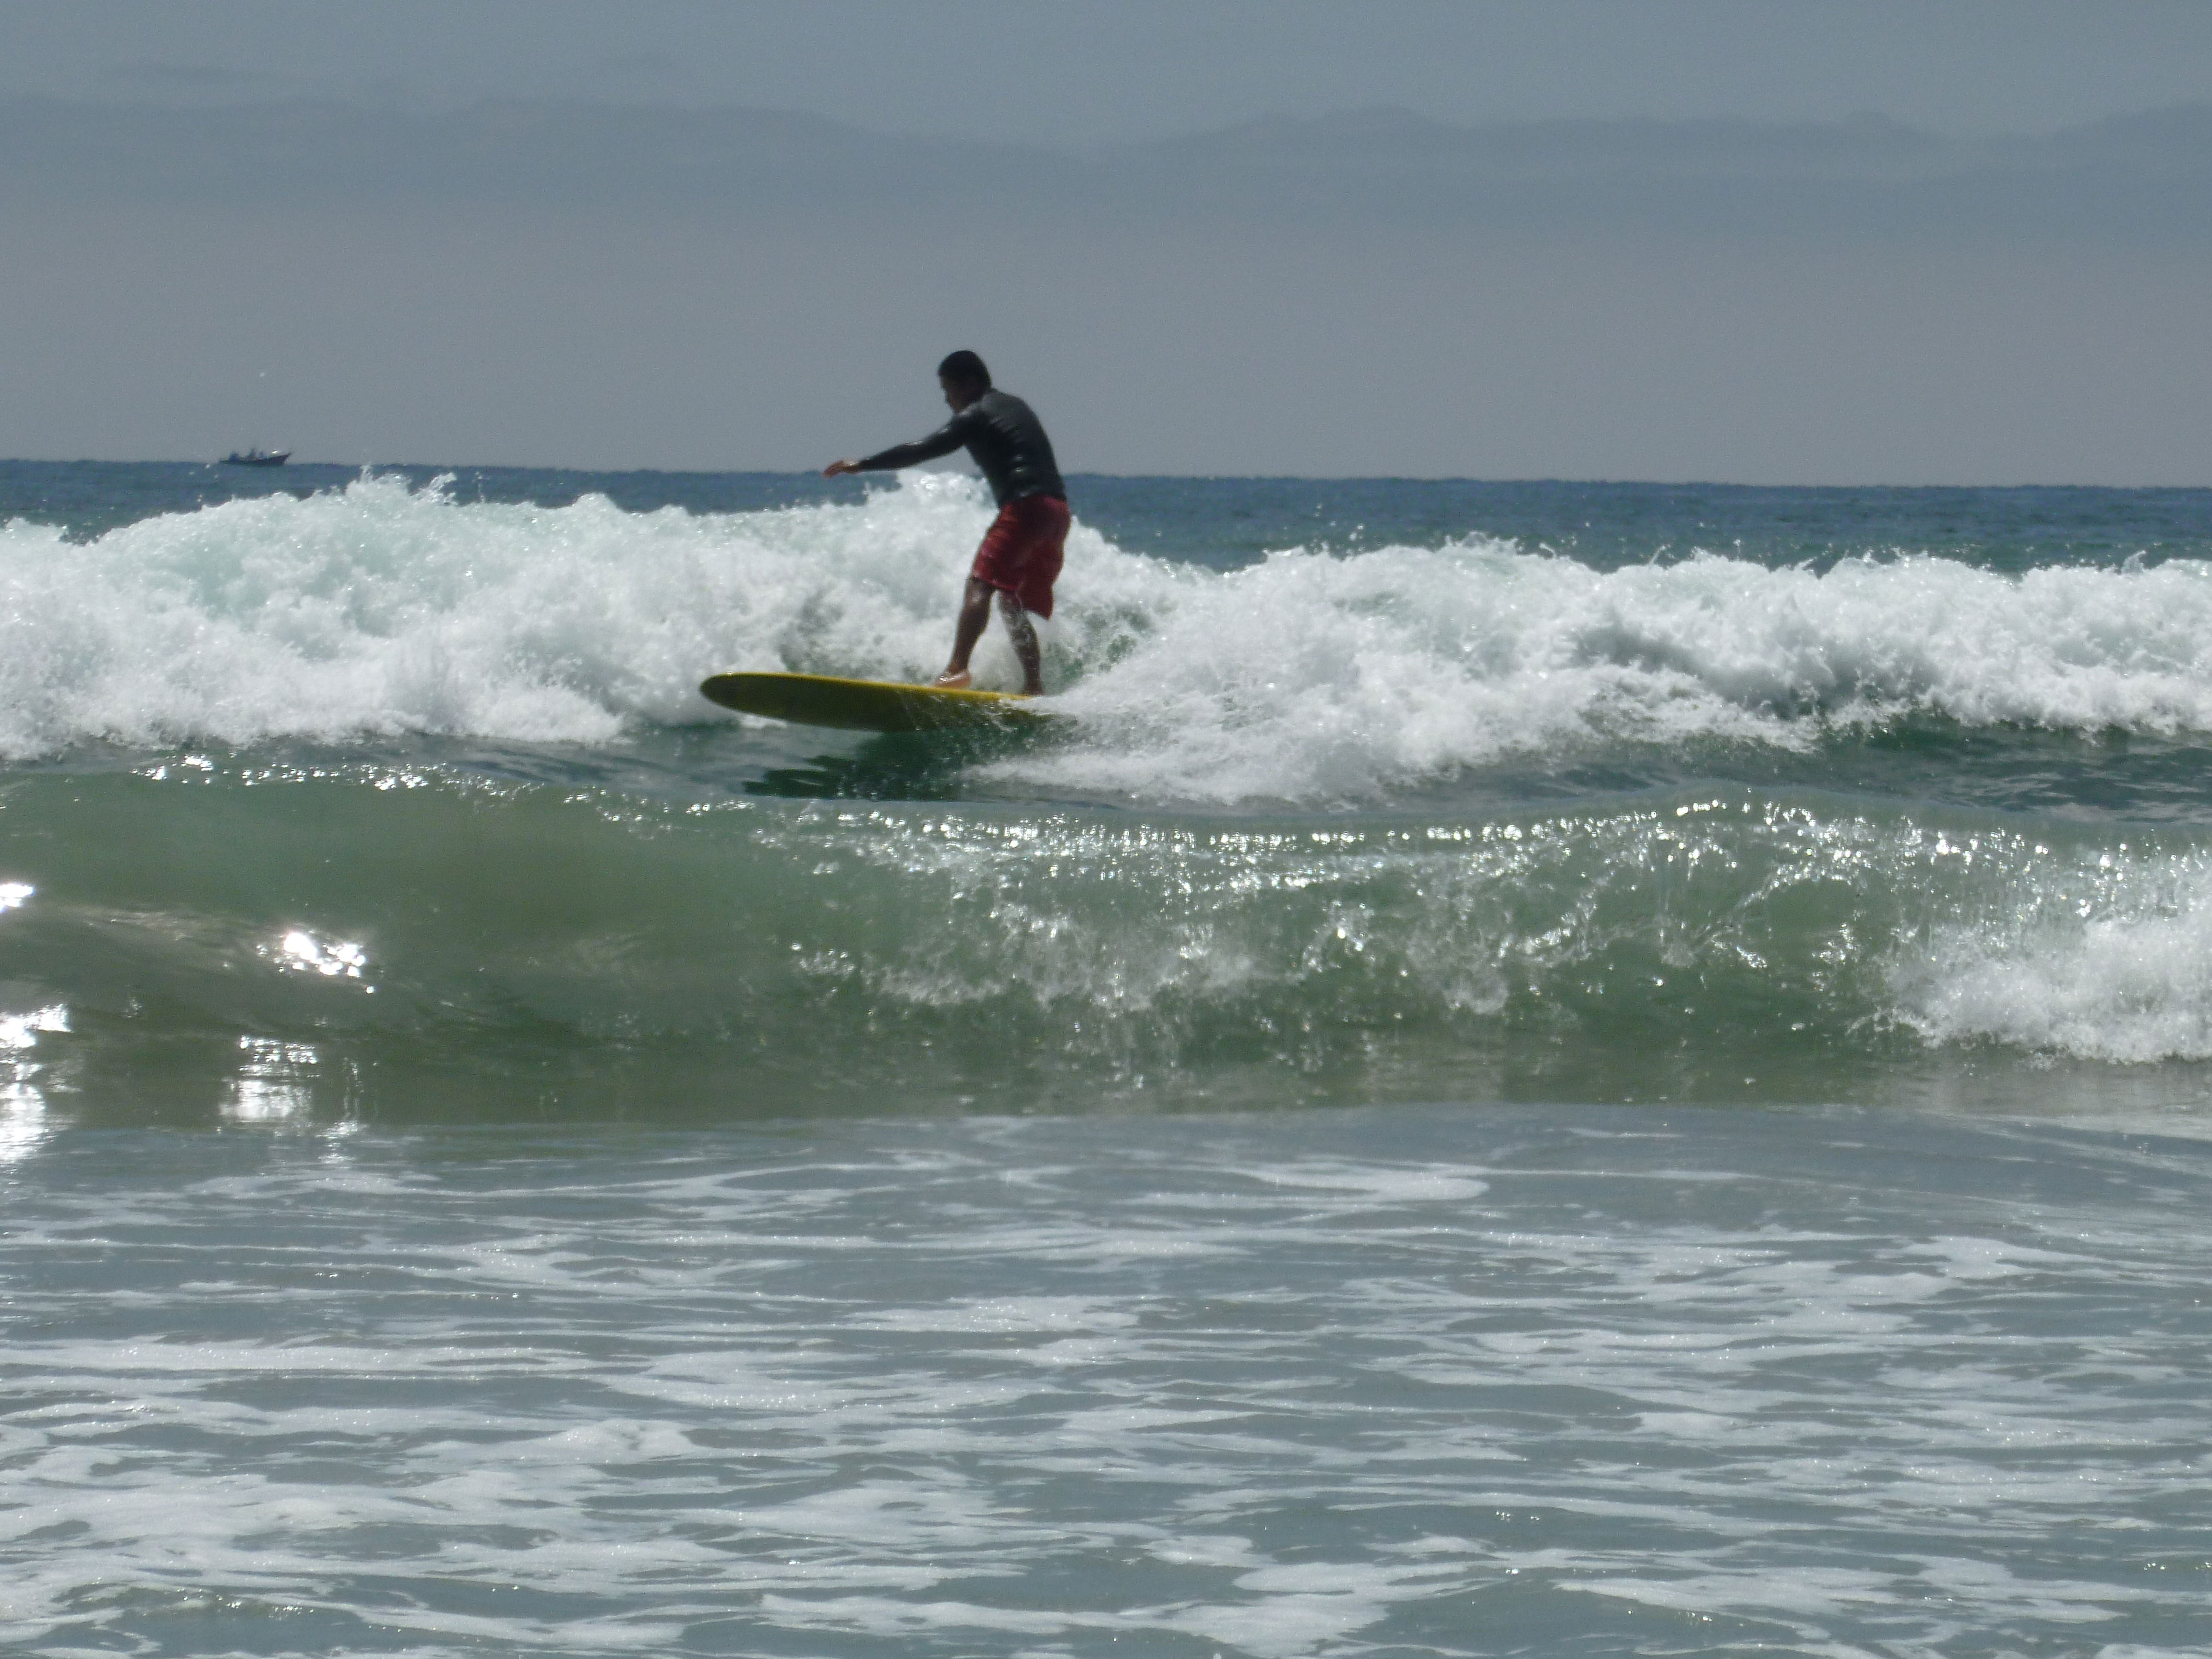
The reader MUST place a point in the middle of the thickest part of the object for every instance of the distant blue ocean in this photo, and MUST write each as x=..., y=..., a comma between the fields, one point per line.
x=1536, y=1068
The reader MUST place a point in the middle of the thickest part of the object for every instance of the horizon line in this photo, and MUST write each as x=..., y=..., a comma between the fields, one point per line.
x=371, y=468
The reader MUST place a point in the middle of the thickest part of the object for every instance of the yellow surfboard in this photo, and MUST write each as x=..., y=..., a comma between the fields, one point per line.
x=868, y=705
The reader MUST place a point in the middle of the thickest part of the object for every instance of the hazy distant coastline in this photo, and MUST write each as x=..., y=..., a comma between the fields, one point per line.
x=1364, y=294
x=2146, y=176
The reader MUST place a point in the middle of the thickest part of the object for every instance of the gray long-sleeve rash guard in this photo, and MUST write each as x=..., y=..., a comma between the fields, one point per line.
x=1003, y=434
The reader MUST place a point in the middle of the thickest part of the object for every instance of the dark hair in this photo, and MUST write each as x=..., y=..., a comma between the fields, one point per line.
x=964, y=368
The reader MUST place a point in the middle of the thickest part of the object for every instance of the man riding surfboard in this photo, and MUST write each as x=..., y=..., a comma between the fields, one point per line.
x=1021, y=553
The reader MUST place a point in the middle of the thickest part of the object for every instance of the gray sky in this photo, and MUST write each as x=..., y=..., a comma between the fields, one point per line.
x=1079, y=71
x=1999, y=290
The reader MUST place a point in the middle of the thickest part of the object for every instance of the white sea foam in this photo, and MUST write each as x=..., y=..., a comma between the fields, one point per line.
x=1314, y=676
x=2110, y=959
x=1821, y=1400
x=382, y=609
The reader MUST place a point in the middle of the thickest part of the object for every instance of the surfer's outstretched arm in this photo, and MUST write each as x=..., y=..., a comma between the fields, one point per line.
x=943, y=441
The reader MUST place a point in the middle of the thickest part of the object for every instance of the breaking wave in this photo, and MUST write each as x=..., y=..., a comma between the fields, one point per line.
x=380, y=611
x=392, y=942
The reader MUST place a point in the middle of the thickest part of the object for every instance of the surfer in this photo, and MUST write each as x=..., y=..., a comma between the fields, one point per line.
x=1021, y=553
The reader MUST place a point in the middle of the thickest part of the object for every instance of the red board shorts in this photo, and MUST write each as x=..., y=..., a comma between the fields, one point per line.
x=1022, y=551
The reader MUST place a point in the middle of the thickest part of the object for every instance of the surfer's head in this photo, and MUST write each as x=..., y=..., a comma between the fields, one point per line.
x=963, y=377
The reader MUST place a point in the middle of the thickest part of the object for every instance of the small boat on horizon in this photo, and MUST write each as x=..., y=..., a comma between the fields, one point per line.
x=257, y=458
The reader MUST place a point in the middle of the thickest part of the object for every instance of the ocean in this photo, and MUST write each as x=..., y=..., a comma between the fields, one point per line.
x=1534, y=1068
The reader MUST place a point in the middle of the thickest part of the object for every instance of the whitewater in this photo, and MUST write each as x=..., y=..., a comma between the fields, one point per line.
x=1582, y=1069
x=381, y=609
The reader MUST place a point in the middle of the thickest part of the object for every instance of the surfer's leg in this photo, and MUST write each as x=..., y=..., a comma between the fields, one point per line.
x=1016, y=615
x=974, y=611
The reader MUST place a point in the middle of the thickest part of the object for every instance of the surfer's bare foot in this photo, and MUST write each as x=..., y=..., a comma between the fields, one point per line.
x=953, y=679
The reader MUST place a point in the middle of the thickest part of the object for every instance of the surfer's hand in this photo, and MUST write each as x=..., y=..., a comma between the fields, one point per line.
x=839, y=469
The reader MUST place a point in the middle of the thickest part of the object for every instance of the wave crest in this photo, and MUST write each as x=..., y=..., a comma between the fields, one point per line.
x=379, y=610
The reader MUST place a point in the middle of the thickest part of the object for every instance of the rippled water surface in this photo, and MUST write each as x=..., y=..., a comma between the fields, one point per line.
x=1393, y=1382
